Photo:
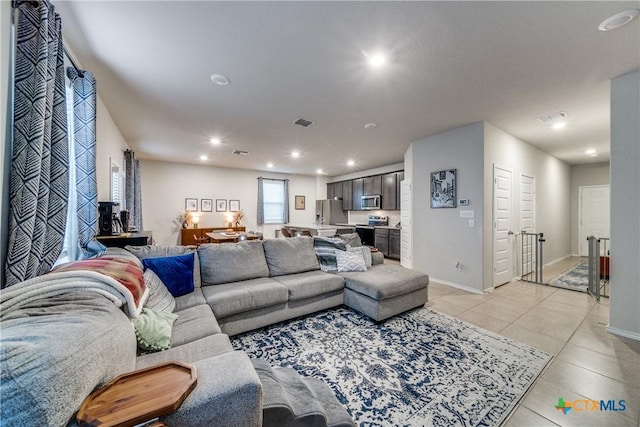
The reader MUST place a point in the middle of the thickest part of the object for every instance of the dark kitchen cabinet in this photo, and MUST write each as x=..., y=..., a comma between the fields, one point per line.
x=394, y=244
x=331, y=190
x=390, y=191
x=347, y=195
x=358, y=192
x=373, y=185
x=382, y=241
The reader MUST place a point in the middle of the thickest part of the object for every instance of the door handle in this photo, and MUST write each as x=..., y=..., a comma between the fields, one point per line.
x=510, y=233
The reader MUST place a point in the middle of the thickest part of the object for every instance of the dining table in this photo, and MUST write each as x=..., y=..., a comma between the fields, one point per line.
x=223, y=237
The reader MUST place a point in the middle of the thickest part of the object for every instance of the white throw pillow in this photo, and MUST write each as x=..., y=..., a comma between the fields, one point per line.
x=160, y=298
x=350, y=261
x=366, y=254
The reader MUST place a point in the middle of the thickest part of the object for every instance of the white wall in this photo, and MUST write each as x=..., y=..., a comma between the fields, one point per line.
x=624, y=318
x=165, y=186
x=110, y=146
x=440, y=236
x=553, y=206
x=582, y=175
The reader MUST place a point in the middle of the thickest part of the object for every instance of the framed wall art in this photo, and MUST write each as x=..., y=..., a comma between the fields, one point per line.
x=300, y=203
x=221, y=205
x=443, y=189
x=234, y=205
x=191, y=205
x=206, y=205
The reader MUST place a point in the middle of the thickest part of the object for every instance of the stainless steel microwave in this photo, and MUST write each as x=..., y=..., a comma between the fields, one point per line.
x=371, y=202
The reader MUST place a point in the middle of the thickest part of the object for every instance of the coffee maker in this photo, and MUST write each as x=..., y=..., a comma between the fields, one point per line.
x=124, y=220
x=108, y=222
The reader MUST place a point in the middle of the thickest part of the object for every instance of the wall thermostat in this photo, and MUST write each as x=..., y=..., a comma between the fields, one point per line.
x=463, y=202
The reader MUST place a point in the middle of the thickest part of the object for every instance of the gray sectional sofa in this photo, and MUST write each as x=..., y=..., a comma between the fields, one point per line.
x=240, y=287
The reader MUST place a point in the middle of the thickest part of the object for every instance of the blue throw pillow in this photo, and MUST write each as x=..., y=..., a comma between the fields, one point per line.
x=176, y=272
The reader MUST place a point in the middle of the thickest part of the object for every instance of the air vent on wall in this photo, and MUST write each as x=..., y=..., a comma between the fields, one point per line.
x=303, y=122
x=240, y=152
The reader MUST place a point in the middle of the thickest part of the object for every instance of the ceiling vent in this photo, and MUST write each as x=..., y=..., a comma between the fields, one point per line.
x=550, y=118
x=240, y=152
x=303, y=122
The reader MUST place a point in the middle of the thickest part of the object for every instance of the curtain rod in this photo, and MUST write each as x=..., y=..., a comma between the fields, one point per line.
x=73, y=63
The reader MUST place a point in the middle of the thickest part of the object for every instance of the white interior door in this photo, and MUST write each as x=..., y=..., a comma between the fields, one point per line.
x=502, y=255
x=406, y=242
x=527, y=219
x=594, y=214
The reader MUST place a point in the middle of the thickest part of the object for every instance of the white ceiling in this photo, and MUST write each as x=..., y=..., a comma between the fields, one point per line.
x=450, y=64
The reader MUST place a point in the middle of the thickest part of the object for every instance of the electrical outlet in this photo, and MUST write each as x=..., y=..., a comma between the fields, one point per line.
x=458, y=266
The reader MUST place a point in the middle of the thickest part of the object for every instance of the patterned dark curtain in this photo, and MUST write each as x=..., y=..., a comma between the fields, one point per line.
x=39, y=182
x=133, y=189
x=84, y=141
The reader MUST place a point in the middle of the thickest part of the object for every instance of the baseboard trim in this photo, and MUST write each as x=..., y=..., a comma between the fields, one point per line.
x=456, y=285
x=555, y=261
x=623, y=333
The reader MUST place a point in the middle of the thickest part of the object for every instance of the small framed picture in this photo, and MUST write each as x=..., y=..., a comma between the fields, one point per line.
x=300, y=205
x=191, y=205
x=206, y=205
x=234, y=205
x=443, y=189
x=221, y=205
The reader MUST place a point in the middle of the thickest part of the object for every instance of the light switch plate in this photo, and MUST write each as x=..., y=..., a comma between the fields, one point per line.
x=472, y=223
x=467, y=214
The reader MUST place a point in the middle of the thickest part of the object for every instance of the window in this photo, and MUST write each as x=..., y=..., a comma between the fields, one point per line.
x=117, y=185
x=274, y=201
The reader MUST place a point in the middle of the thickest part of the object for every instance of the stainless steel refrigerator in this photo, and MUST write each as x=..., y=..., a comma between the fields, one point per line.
x=330, y=212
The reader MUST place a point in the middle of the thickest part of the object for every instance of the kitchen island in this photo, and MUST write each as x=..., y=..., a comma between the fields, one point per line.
x=321, y=230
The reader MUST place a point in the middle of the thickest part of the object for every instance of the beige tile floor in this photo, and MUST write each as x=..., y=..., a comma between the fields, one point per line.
x=588, y=362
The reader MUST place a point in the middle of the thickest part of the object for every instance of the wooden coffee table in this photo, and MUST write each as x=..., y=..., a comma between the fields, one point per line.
x=139, y=396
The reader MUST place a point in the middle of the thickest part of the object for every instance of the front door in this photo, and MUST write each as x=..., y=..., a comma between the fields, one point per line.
x=502, y=256
x=594, y=214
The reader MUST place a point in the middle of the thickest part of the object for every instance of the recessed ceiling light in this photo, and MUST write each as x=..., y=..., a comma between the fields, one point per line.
x=618, y=20
x=376, y=60
x=559, y=125
x=350, y=163
x=269, y=165
x=220, y=79
x=319, y=171
x=295, y=154
x=215, y=141
x=370, y=126
x=590, y=151
x=204, y=157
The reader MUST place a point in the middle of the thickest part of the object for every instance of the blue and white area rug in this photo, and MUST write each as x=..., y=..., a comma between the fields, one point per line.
x=576, y=279
x=420, y=368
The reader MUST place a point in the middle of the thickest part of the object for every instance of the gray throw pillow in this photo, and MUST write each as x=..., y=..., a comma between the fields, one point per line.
x=352, y=239
x=159, y=296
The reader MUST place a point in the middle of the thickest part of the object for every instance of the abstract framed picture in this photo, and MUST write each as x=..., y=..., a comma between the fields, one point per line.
x=191, y=205
x=221, y=205
x=206, y=205
x=443, y=189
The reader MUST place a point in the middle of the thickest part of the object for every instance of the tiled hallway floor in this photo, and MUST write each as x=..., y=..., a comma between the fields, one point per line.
x=588, y=363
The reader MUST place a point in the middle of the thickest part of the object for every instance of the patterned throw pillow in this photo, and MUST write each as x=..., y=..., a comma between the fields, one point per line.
x=366, y=254
x=327, y=258
x=159, y=296
x=153, y=329
x=350, y=261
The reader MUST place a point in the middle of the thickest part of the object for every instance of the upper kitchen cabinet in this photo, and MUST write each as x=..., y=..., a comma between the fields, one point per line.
x=390, y=191
x=347, y=195
x=358, y=192
x=373, y=185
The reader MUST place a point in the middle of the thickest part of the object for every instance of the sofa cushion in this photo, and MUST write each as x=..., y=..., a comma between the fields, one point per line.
x=310, y=284
x=54, y=352
x=190, y=300
x=191, y=352
x=238, y=297
x=194, y=323
x=289, y=256
x=176, y=272
x=159, y=296
x=157, y=251
x=385, y=281
x=232, y=262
